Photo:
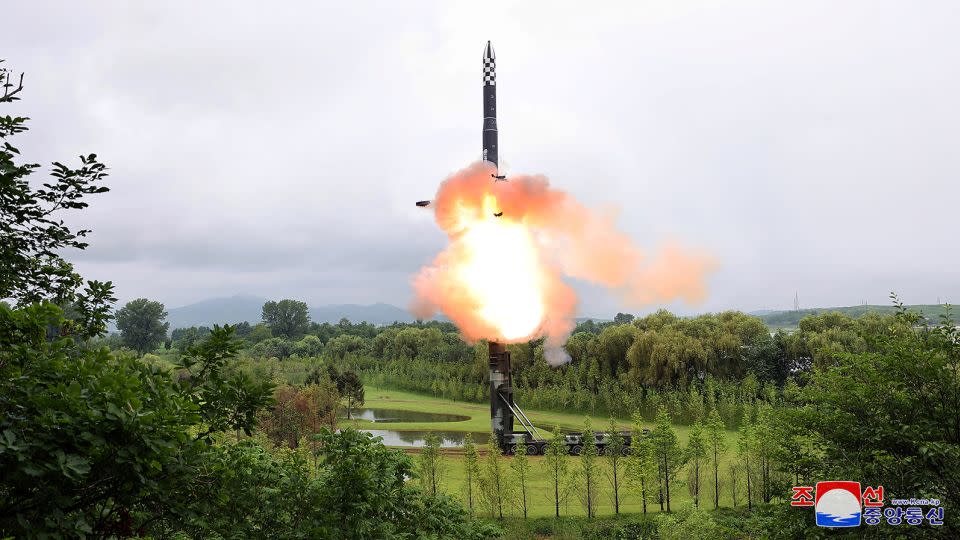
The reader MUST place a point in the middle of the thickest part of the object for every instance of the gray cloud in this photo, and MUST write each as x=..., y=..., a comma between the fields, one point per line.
x=276, y=150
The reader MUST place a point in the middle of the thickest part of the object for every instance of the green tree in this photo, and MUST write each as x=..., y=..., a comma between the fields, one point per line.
x=226, y=399
x=471, y=468
x=555, y=459
x=299, y=412
x=430, y=464
x=641, y=465
x=589, y=468
x=696, y=454
x=765, y=450
x=612, y=346
x=520, y=466
x=184, y=338
x=141, y=324
x=733, y=473
x=667, y=453
x=493, y=485
x=308, y=347
x=339, y=347
x=695, y=404
x=352, y=390
x=258, y=333
x=614, y=452
x=287, y=318
x=717, y=445
x=33, y=235
x=350, y=387
x=746, y=448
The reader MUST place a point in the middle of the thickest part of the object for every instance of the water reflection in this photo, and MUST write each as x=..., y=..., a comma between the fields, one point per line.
x=382, y=416
x=448, y=439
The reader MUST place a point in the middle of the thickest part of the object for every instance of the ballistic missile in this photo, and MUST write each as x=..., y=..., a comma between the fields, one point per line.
x=490, y=106
x=490, y=153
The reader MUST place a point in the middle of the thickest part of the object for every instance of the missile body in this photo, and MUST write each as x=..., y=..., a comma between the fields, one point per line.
x=490, y=152
x=490, y=106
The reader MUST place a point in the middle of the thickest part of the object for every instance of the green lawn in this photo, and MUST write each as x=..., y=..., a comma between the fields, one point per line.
x=480, y=415
x=539, y=501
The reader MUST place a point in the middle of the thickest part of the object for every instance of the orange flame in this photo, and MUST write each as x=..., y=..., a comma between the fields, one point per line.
x=501, y=278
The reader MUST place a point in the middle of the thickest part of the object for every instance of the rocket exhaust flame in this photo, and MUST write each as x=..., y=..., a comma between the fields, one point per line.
x=502, y=278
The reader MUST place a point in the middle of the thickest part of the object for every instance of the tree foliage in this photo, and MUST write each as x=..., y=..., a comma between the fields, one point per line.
x=641, y=464
x=520, y=466
x=141, y=324
x=349, y=386
x=494, y=486
x=471, y=469
x=32, y=232
x=299, y=412
x=667, y=454
x=716, y=445
x=557, y=464
x=890, y=413
x=226, y=398
x=614, y=453
x=430, y=465
x=589, y=469
x=287, y=318
x=85, y=437
x=696, y=456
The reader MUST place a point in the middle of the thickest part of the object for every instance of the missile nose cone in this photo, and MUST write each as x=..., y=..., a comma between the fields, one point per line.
x=488, y=52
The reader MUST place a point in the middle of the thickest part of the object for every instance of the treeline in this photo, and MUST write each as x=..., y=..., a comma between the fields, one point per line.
x=726, y=362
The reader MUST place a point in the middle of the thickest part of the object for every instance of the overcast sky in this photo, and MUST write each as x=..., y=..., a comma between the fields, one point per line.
x=276, y=148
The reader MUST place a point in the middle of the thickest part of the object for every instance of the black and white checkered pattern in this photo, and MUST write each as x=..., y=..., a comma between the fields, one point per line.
x=489, y=72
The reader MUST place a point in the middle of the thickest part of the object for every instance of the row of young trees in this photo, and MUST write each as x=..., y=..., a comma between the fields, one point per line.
x=651, y=473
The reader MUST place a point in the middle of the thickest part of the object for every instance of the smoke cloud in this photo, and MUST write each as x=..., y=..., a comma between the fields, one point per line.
x=511, y=244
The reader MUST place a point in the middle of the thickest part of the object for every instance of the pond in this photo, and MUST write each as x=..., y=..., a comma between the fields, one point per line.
x=396, y=415
x=448, y=439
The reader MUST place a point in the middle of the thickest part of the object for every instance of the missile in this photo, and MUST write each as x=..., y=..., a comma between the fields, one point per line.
x=490, y=150
x=490, y=106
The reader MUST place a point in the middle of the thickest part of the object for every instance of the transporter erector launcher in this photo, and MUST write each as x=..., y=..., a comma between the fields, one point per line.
x=503, y=409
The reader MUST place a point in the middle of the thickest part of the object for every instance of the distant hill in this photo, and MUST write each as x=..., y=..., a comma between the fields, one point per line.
x=239, y=308
x=375, y=313
x=791, y=319
x=230, y=310
x=597, y=320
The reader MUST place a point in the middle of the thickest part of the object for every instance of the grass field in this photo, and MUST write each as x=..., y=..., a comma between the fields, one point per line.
x=480, y=415
x=539, y=502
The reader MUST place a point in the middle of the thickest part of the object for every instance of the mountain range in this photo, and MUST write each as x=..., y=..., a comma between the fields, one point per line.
x=239, y=308
x=244, y=307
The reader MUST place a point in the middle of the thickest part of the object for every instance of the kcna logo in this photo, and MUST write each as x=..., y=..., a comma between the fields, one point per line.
x=842, y=504
x=837, y=504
